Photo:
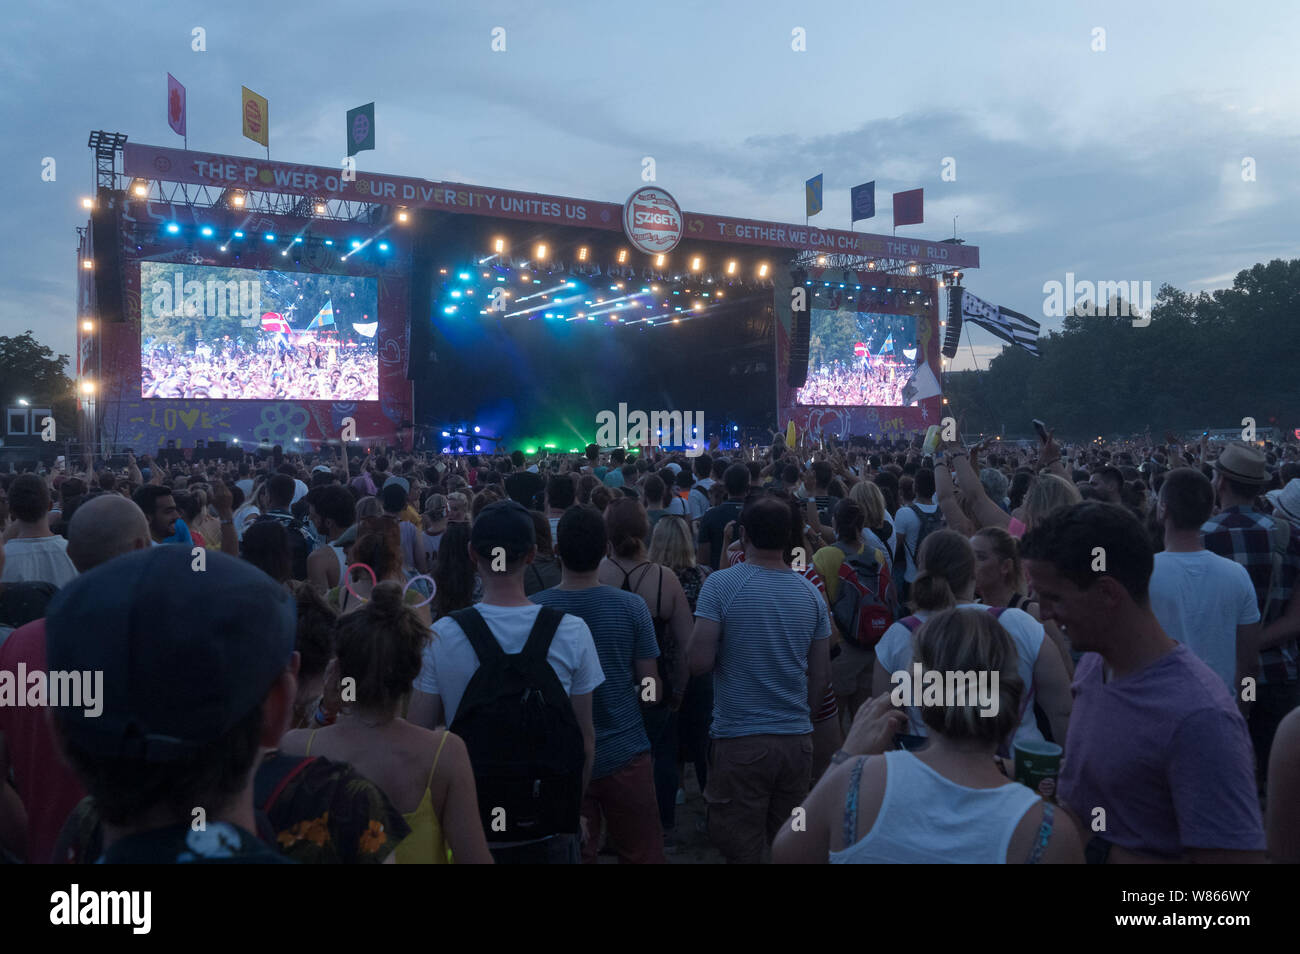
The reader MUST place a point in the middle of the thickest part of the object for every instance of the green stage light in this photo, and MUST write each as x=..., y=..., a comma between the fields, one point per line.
x=530, y=450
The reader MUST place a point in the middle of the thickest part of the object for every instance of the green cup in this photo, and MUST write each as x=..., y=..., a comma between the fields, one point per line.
x=1037, y=765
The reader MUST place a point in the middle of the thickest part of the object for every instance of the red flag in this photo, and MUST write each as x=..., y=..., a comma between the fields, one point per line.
x=909, y=207
x=175, y=105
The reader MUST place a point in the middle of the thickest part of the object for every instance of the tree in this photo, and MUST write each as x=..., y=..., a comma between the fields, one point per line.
x=32, y=371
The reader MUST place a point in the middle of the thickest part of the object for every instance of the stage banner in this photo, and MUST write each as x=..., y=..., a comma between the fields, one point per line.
x=361, y=129
x=862, y=199
x=909, y=207
x=175, y=105
x=256, y=117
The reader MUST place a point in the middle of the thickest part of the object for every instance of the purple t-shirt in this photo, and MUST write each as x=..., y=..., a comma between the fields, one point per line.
x=1166, y=753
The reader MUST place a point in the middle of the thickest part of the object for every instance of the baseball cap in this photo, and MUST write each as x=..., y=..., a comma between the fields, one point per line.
x=400, y=482
x=503, y=524
x=321, y=469
x=185, y=653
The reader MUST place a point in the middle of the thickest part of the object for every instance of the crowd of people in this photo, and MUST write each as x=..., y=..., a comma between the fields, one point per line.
x=865, y=381
x=413, y=658
x=271, y=370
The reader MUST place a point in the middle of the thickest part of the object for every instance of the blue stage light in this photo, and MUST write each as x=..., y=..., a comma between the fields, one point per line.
x=329, y=241
x=478, y=447
x=270, y=236
x=297, y=238
x=446, y=434
x=383, y=246
x=449, y=310
x=456, y=293
x=173, y=228
x=206, y=231
x=239, y=234
x=463, y=276
x=355, y=243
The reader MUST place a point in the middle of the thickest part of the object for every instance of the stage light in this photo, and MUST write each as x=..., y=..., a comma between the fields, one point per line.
x=270, y=236
x=478, y=447
x=329, y=241
x=476, y=430
x=320, y=208
x=698, y=306
x=88, y=326
x=87, y=387
x=912, y=268
x=731, y=267
x=173, y=228
x=403, y=216
x=235, y=440
x=140, y=188
x=298, y=239
x=237, y=200
x=762, y=270
x=582, y=254
x=383, y=246
x=540, y=252
x=87, y=203
x=735, y=427
x=355, y=243
x=622, y=256
x=499, y=246
x=871, y=264
x=945, y=400
x=239, y=235
x=821, y=259
x=223, y=248
x=449, y=310
x=284, y=252
x=87, y=264
x=696, y=263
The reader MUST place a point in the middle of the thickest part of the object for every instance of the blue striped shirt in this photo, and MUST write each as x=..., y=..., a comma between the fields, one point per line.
x=768, y=620
x=623, y=632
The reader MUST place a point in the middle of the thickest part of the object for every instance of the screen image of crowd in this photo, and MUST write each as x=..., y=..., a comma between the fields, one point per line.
x=656, y=733
x=268, y=368
x=858, y=359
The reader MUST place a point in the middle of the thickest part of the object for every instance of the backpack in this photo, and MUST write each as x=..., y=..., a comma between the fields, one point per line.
x=522, y=735
x=862, y=607
x=930, y=522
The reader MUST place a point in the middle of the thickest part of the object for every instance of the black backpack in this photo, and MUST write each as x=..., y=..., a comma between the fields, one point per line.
x=930, y=522
x=299, y=542
x=523, y=738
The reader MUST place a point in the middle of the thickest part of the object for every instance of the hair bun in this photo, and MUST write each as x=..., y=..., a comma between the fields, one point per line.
x=386, y=598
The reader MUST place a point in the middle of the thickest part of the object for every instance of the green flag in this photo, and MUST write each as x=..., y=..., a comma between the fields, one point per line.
x=361, y=129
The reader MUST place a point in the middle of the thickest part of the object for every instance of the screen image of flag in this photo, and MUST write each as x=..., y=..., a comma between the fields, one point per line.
x=324, y=317
x=1011, y=326
x=813, y=194
x=257, y=120
x=863, y=200
x=175, y=105
x=361, y=129
x=365, y=328
x=909, y=207
x=923, y=384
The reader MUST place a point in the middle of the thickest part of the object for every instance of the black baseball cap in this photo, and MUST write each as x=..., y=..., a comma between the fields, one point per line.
x=505, y=524
x=185, y=653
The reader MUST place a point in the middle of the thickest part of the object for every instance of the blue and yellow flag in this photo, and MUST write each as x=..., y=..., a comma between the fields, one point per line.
x=323, y=317
x=813, y=194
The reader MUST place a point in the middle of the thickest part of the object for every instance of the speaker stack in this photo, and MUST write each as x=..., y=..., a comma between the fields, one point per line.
x=800, y=331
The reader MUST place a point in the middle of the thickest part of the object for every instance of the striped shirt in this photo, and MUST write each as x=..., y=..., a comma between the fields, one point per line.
x=768, y=620
x=623, y=632
x=1246, y=536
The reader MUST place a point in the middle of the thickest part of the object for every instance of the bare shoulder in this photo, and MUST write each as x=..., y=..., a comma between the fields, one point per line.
x=834, y=791
x=294, y=742
x=1064, y=845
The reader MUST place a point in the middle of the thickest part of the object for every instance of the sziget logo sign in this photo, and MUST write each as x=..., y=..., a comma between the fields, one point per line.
x=652, y=220
x=64, y=690
x=951, y=689
x=658, y=429
x=210, y=299
x=1123, y=299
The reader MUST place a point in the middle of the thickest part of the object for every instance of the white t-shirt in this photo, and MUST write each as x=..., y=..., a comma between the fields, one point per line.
x=1200, y=599
x=450, y=660
x=894, y=653
x=246, y=485
x=698, y=502
x=908, y=525
x=299, y=491
x=38, y=560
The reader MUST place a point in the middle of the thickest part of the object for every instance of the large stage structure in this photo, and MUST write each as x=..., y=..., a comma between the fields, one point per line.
x=517, y=314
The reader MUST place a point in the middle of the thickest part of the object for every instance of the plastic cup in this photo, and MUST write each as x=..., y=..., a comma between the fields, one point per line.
x=1037, y=765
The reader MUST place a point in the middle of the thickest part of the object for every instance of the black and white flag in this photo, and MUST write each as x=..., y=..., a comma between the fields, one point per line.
x=1010, y=326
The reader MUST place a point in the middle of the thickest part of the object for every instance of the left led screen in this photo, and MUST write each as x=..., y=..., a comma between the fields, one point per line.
x=247, y=334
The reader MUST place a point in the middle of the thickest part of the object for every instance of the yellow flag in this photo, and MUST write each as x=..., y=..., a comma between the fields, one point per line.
x=789, y=434
x=256, y=117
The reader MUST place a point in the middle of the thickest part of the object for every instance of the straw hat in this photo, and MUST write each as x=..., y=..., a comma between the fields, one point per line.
x=1242, y=463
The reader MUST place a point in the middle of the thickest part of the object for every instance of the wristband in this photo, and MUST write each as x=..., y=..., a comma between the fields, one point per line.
x=321, y=719
x=840, y=756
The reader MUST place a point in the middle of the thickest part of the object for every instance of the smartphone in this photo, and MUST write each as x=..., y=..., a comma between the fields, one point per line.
x=1041, y=429
x=911, y=743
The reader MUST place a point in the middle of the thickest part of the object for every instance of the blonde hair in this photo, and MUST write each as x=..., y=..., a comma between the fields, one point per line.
x=670, y=544
x=867, y=495
x=962, y=641
x=1047, y=493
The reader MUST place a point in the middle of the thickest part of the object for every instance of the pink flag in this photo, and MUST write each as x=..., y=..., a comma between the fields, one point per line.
x=175, y=105
x=909, y=207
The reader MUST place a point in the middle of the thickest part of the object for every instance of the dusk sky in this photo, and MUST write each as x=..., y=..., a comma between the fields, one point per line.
x=1116, y=165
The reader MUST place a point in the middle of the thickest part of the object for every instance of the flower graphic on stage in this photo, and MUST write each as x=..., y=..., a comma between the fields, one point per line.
x=281, y=423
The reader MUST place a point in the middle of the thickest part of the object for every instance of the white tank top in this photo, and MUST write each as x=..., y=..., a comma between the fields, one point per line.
x=928, y=819
x=343, y=564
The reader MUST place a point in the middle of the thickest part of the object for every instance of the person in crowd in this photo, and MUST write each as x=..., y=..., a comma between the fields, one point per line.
x=559, y=498
x=332, y=511
x=504, y=531
x=948, y=803
x=457, y=582
x=524, y=485
x=203, y=523
x=915, y=522
x=315, y=646
x=1270, y=553
x=629, y=568
x=654, y=494
x=1108, y=484
x=376, y=558
x=769, y=677
x=33, y=554
x=623, y=784
x=393, y=497
x=1202, y=600
x=714, y=522
x=434, y=524
x=877, y=530
x=222, y=683
x=266, y=546
x=1155, y=743
x=946, y=579
x=1283, y=826
x=282, y=491
x=426, y=773
x=21, y=602
x=545, y=571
